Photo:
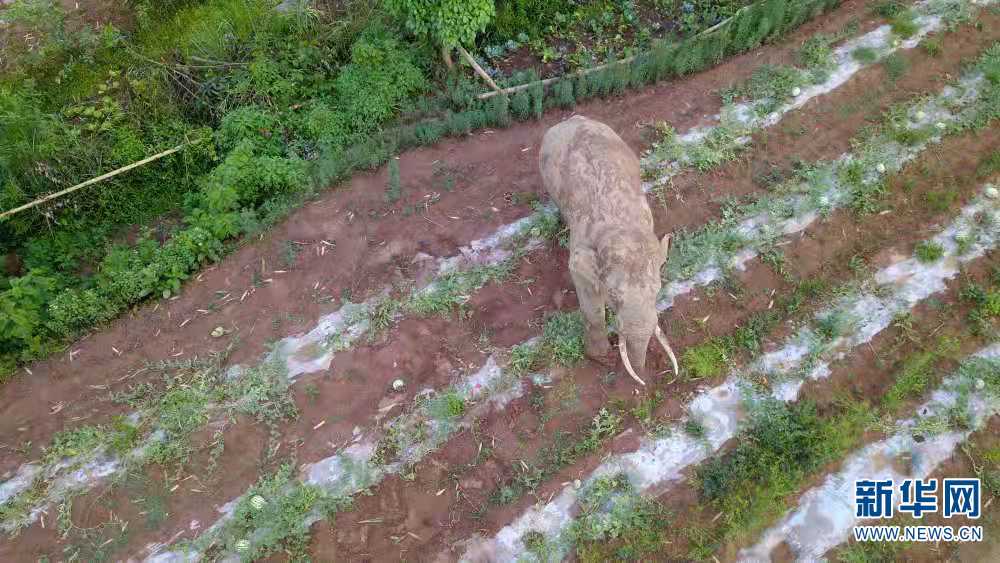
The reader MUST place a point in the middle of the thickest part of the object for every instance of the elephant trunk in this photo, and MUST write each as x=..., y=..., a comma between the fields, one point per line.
x=633, y=348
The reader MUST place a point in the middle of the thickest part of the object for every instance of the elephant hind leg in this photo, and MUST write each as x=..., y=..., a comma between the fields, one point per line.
x=582, y=268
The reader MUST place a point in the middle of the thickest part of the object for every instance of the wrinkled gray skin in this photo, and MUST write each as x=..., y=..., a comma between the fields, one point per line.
x=615, y=257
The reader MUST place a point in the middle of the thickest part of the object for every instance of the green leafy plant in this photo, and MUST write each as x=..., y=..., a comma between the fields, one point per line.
x=449, y=23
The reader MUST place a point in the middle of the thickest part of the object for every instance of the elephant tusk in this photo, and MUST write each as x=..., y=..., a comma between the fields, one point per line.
x=666, y=346
x=628, y=364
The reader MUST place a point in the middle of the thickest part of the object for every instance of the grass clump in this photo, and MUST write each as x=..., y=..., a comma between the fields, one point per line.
x=904, y=24
x=706, y=360
x=446, y=405
x=985, y=313
x=896, y=66
x=888, y=8
x=912, y=378
x=394, y=189
x=865, y=55
x=695, y=428
x=563, y=338
x=382, y=315
x=871, y=552
x=452, y=290
x=523, y=358
x=928, y=251
x=182, y=411
x=940, y=201
x=988, y=165
x=816, y=56
x=932, y=47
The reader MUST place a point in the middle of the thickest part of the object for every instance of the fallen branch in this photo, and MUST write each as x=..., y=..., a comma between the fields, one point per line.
x=479, y=70
x=93, y=181
x=547, y=81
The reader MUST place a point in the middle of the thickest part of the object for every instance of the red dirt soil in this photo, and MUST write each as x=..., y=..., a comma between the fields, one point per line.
x=374, y=247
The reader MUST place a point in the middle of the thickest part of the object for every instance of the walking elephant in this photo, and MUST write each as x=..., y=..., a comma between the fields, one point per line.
x=615, y=257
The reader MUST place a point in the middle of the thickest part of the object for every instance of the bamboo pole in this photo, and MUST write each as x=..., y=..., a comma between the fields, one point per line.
x=479, y=70
x=586, y=71
x=93, y=181
x=547, y=81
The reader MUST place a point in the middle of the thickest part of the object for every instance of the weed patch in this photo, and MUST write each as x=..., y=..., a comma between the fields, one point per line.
x=272, y=517
x=865, y=55
x=563, y=338
x=617, y=523
x=896, y=66
x=928, y=252
x=782, y=445
x=565, y=450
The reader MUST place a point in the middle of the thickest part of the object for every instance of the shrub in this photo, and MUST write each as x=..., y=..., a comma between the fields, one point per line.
x=564, y=94
x=514, y=17
x=261, y=129
x=253, y=177
x=23, y=316
x=75, y=310
x=371, y=88
x=498, y=111
x=123, y=274
x=520, y=104
x=187, y=250
x=447, y=22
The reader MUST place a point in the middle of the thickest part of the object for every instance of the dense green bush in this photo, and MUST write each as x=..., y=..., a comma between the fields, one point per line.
x=372, y=87
x=447, y=22
x=22, y=314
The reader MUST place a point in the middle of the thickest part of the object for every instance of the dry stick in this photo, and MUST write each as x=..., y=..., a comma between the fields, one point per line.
x=587, y=71
x=100, y=178
x=479, y=70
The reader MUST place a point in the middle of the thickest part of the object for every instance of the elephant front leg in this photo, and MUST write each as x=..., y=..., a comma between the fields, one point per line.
x=592, y=304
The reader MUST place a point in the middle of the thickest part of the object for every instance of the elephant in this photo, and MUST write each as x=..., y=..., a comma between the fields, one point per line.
x=615, y=257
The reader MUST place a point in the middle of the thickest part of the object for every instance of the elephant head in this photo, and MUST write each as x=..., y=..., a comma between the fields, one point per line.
x=632, y=279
